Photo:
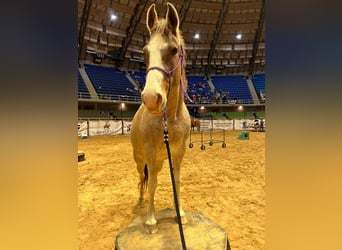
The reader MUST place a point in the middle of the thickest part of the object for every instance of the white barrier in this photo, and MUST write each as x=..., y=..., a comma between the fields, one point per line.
x=103, y=127
x=236, y=124
x=114, y=127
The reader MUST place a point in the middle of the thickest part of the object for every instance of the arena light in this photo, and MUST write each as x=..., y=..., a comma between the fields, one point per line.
x=240, y=108
x=239, y=36
x=196, y=36
x=113, y=17
x=202, y=107
x=123, y=105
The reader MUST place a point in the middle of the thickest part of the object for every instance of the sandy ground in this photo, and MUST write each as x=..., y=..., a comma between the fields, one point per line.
x=225, y=184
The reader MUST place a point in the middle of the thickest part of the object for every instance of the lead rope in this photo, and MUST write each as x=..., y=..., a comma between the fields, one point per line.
x=166, y=141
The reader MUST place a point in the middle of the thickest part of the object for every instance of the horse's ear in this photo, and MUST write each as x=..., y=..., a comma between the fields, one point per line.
x=172, y=18
x=151, y=17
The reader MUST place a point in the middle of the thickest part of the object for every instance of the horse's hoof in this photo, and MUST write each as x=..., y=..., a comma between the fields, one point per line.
x=151, y=229
x=184, y=220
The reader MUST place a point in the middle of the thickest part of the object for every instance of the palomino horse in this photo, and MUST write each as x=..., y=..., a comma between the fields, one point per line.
x=162, y=103
x=196, y=124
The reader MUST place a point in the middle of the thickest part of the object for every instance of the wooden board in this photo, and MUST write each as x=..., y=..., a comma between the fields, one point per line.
x=199, y=233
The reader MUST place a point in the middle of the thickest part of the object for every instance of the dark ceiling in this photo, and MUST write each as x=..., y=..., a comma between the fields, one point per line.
x=217, y=51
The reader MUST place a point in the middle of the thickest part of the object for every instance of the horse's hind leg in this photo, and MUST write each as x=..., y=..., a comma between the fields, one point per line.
x=143, y=179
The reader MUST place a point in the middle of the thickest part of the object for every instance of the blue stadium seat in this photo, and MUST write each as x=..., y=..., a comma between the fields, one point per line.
x=139, y=77
x=110, y=83
x=236, y=86
x=259, y=83
x=198, y=89
x=83, y=91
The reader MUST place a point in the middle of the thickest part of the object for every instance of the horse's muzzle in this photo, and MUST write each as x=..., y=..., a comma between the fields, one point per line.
x=153, y=101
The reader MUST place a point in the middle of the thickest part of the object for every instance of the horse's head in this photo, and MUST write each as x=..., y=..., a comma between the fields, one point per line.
x=162, y=55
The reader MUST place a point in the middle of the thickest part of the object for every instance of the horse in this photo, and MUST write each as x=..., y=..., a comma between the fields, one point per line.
x=162, y=105
x=196, y=124
x=106, y=126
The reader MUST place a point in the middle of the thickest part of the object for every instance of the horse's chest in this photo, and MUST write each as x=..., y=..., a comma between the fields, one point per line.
x=177, y=135
x=176, y=139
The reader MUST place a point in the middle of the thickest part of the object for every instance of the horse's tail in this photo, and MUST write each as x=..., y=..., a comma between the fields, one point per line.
x=143, y=183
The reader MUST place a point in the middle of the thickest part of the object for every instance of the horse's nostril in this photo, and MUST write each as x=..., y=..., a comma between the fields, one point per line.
x=159, y=99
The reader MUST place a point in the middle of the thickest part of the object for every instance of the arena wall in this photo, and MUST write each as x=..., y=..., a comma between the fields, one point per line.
x=119, y=127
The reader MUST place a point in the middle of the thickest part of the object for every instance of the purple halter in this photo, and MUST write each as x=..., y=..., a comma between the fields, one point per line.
x=169, y=73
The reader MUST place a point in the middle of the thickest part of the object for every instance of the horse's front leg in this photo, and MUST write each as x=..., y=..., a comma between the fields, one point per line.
x=151, y=222
x=177, y=161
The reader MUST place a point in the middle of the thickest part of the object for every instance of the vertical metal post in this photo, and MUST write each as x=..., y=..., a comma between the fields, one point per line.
x=88, y=127
x=122, y=123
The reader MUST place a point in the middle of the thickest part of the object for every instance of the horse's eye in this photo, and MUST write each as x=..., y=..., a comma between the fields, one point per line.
x=174, y=51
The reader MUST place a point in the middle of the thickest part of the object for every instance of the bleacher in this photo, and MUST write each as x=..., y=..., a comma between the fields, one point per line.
x=83, y=91
x=197, y=86
x=198, y=89
x=111, y=83
x=259, y=84
x=139, y=77
x=235, y=86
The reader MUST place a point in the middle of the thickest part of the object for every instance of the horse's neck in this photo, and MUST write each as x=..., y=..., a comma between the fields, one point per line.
x=175, y=99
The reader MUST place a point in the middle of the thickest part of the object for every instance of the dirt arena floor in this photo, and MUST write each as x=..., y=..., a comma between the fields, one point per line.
x=225, y=184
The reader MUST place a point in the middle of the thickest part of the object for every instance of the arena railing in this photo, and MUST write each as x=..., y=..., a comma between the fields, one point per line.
x=230, y=102
x=109, y=97
x=137, y=99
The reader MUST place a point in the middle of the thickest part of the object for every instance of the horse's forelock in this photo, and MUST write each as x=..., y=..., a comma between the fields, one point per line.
x=163, y=29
